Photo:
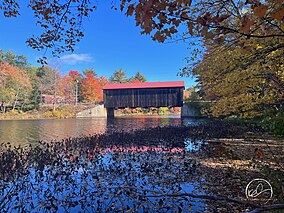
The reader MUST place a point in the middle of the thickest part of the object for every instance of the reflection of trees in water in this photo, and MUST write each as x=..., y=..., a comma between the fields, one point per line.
x=117, y=171
x=59, y=129
x=26, y=132
x=110, y=172
x=140, y=122
x=18, y=132
x=22, y=132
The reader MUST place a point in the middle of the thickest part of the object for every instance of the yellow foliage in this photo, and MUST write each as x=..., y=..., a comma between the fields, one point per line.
x=239, y=82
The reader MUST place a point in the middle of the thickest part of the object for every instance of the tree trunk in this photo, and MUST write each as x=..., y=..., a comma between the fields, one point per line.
x=40, y=97
x=54, y=94
x=15, y=102
x=2, y=107
x=22, y=106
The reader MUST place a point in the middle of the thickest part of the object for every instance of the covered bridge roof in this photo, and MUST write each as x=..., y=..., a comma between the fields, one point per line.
x=141, y=85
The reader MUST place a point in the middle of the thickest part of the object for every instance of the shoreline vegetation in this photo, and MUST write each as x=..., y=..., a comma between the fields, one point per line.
x=271, y=122
x=201, y=168
x=25, y=90
x=69, y=111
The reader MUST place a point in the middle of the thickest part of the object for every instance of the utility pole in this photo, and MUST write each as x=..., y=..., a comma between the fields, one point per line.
x=54, y=87
x=76, y=93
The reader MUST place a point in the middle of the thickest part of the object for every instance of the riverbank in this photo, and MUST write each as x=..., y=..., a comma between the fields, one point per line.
x=171, y=168
x=228, y=165
x=48, y=111
x=70, y=111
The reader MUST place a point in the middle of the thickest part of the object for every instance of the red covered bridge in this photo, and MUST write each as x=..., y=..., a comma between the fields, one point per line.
x=143, y=94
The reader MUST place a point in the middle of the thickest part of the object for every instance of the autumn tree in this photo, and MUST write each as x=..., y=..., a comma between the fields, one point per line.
x=103, y=81
x=240, y=79
x=77, y=81
x=92, y=88
x=66, y=88
x=15, y=86
x=68, y=85
x=20, y=62
x=212, y=19
x=75, y=75
x=119, y=76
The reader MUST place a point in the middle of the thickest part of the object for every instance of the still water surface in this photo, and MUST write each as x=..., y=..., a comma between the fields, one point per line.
x=24, y=132
x=110, y=170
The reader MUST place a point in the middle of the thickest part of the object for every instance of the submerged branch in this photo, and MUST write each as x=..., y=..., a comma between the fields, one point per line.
x=207, y=197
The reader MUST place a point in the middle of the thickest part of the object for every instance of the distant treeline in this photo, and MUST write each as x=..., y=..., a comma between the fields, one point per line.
x=25, y=87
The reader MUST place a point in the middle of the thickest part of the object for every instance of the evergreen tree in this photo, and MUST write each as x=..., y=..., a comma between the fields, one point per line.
x=138, y=76
x=118, y=76
x=90, y=70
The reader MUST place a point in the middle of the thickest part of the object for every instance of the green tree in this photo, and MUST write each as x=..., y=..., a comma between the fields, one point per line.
x=6, y=96
x=138, y=77
x=91, y=71
x=34, y=99
x=193, y=94
x=13, y=59
x=48, y=81
x=118, y=76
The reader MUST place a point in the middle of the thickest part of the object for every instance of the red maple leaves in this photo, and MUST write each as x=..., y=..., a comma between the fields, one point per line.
x=92, y=88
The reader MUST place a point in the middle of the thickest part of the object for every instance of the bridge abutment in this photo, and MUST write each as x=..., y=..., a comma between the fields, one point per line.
x=190, y=111
x=98, y=111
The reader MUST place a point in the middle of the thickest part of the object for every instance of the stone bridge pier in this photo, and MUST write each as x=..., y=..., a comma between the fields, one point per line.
x=191, y=109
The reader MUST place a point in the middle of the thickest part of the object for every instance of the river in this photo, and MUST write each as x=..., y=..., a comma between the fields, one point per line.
x=25, y=132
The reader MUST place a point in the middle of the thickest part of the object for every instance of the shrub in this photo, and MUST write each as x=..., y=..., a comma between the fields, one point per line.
x=163, y=110
x=274, y=121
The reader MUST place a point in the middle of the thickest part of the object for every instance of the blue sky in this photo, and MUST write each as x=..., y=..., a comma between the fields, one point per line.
x=112, y=41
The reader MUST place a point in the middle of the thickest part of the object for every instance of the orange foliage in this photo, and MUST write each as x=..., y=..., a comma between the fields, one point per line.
x=14, y=76
x=66, y=88
x=66, y=85
x=92, y=88
x=15, y=84
x=74, y=74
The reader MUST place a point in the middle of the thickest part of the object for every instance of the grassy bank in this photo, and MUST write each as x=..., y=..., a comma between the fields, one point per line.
x=69, y=111
x=59, y=111
x=271, y=121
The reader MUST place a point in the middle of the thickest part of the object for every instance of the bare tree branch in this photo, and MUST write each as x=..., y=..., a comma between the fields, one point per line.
x=267, y=208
